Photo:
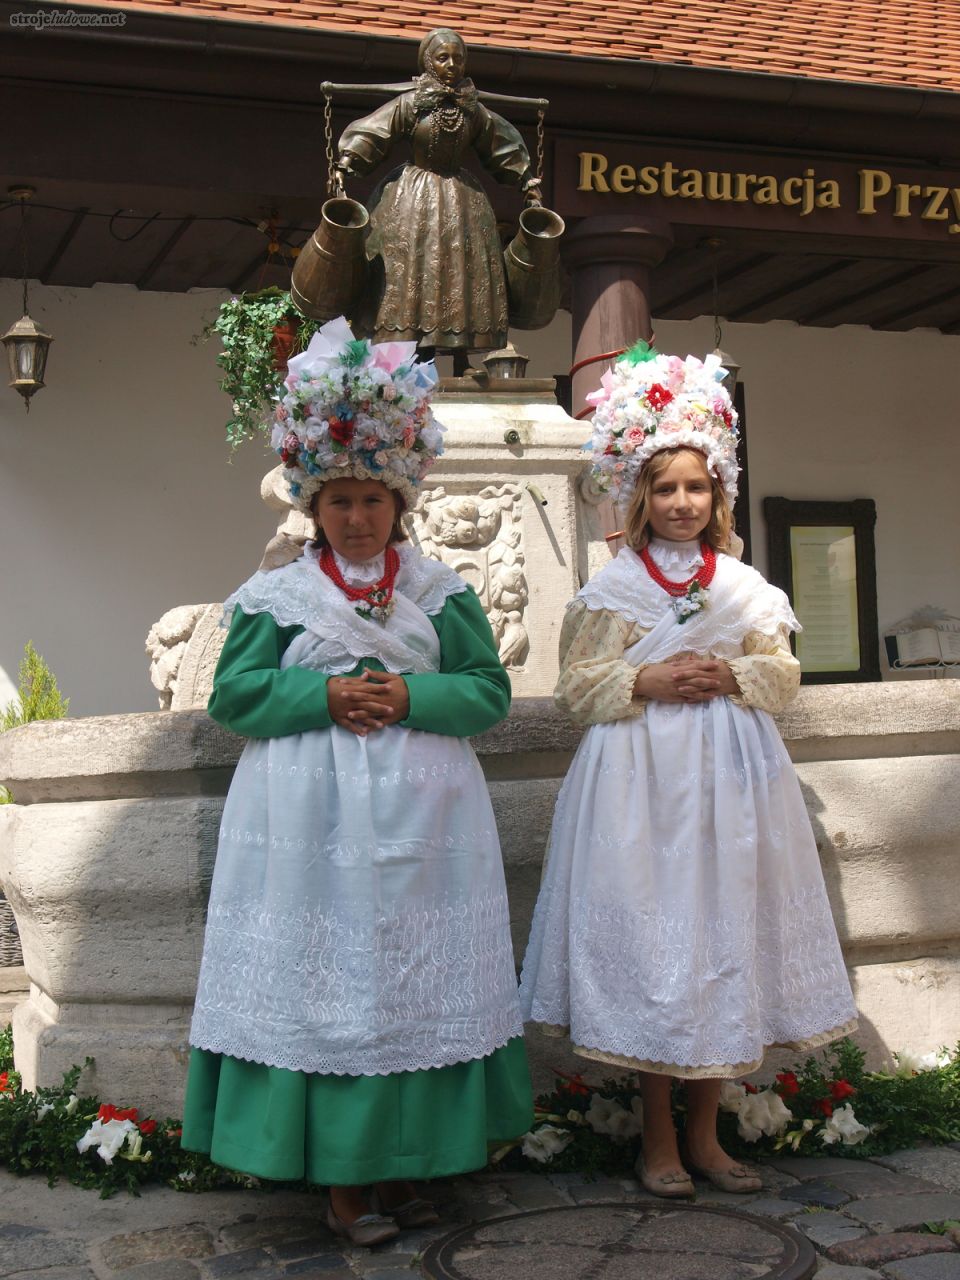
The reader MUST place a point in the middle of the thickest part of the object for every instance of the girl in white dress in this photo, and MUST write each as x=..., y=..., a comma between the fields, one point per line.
x=682, y=925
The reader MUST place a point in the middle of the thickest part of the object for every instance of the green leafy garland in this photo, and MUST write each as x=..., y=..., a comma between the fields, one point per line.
x=39, y=1133
x=579, y=1127
x=829, y=1105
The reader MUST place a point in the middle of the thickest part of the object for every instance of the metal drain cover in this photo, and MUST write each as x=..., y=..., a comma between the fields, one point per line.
x=640, y=1240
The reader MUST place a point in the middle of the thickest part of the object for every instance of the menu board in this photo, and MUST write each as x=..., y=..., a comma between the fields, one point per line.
x=824, y=568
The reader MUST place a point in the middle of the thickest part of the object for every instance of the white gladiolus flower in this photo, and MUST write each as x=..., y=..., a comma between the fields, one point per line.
x=843, y=1126
x=624, y=1124
x=44, y=1110
x=731, y=1096
x=909, y=1063
x=108, y=1137
x=544, y=1143
x=599, y=1112
x=604, y=1115
x=72, y=1103
x=760, y=1113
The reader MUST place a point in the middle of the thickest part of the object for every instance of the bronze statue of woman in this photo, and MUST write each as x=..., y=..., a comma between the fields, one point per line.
x=435, y=258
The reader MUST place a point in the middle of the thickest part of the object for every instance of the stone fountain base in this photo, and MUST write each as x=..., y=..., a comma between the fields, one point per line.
x=108, y=852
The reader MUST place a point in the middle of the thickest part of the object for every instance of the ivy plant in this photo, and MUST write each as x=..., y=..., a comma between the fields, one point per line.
x=246, y=326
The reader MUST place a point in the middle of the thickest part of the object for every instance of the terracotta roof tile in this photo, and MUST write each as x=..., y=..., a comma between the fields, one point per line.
x=895, y=42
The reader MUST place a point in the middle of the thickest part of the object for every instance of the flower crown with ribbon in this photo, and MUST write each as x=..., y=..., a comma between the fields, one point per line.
x=349, y=407
x=649, y=402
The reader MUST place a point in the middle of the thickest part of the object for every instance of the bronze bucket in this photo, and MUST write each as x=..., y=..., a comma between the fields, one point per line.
x=532, y=264
x=331, y=271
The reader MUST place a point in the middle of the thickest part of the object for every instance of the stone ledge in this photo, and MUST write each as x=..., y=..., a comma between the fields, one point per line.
x=186, y=753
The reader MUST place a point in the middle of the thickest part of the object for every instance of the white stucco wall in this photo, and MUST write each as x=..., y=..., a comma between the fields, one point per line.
x=119, y=498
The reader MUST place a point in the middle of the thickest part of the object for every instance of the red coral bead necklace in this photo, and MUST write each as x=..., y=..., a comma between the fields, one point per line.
x=703, y=576
x=376, y=596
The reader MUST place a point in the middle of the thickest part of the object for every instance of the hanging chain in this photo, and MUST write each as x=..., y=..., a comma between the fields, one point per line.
x=334, y=176
x=717, y=332
x=23, y=254
x=541, y=134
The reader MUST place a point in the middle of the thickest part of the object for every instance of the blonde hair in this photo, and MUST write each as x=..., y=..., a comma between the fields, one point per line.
x=637, y=533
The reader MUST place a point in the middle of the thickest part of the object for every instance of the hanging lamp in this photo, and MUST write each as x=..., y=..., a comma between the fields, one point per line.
x=26, y=343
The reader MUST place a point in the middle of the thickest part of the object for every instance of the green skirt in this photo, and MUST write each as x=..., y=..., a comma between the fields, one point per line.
x=349, y=1130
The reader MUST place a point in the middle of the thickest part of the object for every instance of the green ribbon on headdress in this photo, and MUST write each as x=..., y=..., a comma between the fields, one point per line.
x=355, y=352
x=639, y=353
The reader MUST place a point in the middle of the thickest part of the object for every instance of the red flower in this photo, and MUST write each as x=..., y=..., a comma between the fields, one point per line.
x=824, y=1106
x=750, y=1088
x=658, y=397
x=574, y=1084
x=840, y=1089
x=789, y=1084
x=109, y=1112
x=147, y=1127
x=341, y=431
x=5, y=1085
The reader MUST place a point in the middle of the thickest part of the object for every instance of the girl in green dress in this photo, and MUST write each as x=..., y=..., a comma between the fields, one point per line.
x=357, y=1021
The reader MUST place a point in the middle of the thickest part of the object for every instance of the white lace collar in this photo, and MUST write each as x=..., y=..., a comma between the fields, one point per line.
x=359, y=572
x=293, y=595
x=675, y=559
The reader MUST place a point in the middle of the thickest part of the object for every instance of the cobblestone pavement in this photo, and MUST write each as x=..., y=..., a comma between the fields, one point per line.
x=865, y=1219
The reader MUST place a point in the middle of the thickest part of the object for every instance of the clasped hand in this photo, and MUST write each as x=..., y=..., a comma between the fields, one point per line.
x=368, y=701
x=686, y=680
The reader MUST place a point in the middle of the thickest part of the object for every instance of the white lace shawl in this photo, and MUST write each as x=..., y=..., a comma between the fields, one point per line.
x=740, y=601
x=300, y=594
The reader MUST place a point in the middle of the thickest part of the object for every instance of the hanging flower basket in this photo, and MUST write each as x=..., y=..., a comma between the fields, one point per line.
x=259, y=332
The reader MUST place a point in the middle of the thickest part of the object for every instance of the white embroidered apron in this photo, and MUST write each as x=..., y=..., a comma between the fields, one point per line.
x=358, y=920
x=683, y=918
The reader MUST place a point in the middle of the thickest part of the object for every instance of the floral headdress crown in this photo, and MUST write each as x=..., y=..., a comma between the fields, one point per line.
x=350, y=407
x=648, y=402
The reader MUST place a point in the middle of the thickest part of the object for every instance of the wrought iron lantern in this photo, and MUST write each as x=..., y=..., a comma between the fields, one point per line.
x=27, y=347
x=506, y=363
x=729, y=381
x=26, y=343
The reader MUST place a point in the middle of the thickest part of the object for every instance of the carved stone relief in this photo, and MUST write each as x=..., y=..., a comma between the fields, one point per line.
x=481, y=537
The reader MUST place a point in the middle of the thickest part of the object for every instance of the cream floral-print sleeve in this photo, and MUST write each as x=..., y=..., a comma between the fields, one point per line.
x=595, y=684
x=768, y=674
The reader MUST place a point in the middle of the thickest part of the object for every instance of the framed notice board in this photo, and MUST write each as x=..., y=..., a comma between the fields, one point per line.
x=822, y=555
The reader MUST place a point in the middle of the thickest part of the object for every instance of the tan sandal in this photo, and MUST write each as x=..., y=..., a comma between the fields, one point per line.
x=675, y=1185
x=367, y=1230
x=739, y=1180
x=412, y=1213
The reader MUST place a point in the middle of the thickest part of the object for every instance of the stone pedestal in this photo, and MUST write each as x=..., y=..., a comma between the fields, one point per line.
x=502, y=507
x=106, y=858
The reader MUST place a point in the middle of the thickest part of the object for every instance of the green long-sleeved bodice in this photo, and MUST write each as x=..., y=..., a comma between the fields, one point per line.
x=252, y=696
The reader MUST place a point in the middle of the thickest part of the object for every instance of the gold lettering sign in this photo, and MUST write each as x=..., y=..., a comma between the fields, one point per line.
x=878, y=191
